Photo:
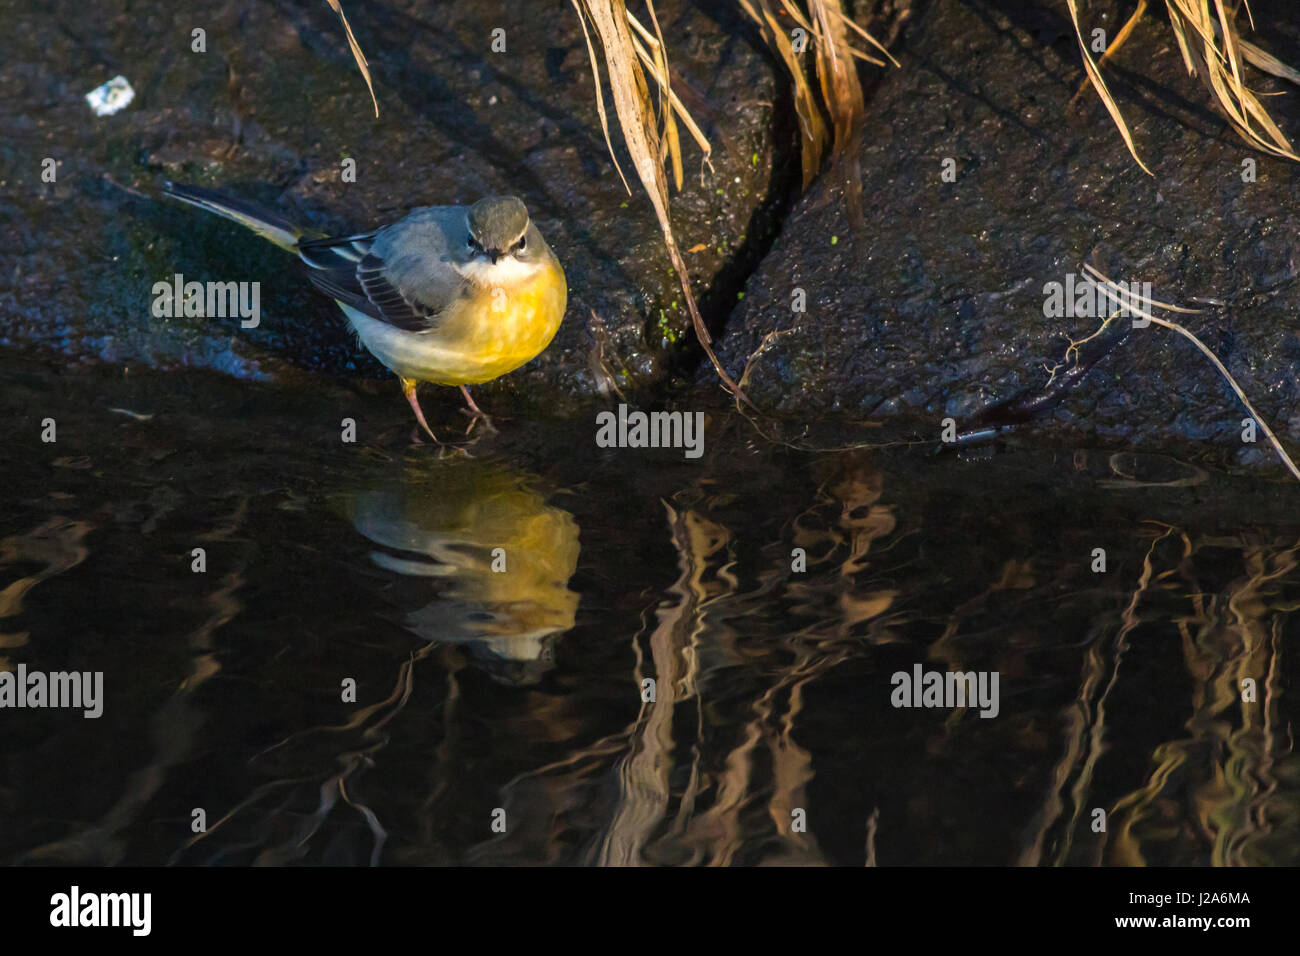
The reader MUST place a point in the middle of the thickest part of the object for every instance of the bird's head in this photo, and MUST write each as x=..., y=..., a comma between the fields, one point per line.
x=501, y=243
x=498, y=226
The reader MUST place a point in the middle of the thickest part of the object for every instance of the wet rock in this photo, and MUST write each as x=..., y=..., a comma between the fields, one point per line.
x=269, y=112
x=936, y=308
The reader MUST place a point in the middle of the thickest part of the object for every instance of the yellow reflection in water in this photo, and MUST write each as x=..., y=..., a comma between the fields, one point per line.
x=498, y=557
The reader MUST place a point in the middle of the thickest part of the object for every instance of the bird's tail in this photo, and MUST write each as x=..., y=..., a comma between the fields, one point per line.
x=265, y=223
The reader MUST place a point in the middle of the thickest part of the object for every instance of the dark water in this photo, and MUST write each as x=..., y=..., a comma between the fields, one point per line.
x=521, y=691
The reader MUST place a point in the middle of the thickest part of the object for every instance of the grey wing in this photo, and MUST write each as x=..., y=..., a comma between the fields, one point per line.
x=401, y=274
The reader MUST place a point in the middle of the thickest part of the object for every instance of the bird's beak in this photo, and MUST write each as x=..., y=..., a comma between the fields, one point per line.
x=497, y=255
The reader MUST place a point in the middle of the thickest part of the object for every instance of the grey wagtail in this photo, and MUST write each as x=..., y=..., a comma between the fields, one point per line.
x=451, y=295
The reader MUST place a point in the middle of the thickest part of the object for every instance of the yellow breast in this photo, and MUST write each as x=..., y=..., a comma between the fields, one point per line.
x=494, y=330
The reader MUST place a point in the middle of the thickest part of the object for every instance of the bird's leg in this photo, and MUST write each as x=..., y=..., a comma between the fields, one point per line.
x=408, y=389
x=476, y=414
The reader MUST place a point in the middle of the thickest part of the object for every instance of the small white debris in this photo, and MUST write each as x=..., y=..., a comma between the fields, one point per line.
x=130, y=414
x=114, y=95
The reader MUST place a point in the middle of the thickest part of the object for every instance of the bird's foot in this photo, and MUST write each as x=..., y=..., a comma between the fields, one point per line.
x=481, y=421
x=476, y=415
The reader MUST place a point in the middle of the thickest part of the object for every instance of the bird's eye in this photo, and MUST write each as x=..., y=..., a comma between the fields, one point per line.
x=469, y=241
x=522, y=242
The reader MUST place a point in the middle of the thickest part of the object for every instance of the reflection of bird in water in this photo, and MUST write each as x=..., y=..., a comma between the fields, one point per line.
x=497, y=555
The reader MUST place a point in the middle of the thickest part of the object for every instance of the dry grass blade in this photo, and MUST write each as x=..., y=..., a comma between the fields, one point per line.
x=812, y=127
x=1128, y=297
x=842, y=94
x=671, y=145
x=812, y=28
x=636, y=117
x=1262, y=60
x=628, y=47
x=680, y=110
x=848, y=22
x=828, y=29
x=1094, y=74
x=600, y=97
x=1112, y=48
x=356, y=52
x=1212, y=50
x=658, y=66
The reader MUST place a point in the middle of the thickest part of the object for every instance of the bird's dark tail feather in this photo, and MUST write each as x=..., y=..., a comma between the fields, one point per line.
x=267, y=224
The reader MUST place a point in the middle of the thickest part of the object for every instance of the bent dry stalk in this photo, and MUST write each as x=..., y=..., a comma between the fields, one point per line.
x=1181, y=330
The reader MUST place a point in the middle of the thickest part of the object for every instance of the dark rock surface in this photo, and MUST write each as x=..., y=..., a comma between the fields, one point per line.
x=269, y=112
x=936, y=308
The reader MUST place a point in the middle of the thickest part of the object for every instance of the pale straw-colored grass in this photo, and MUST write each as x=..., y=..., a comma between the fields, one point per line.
x=1212, y=49
x=1135, y=303
x=357, y=55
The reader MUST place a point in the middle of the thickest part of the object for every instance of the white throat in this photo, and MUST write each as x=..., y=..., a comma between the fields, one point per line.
x=507, y=271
